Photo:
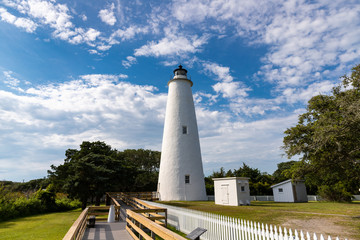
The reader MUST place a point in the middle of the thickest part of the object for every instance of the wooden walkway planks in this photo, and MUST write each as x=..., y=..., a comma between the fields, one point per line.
x=107, y=231
x=110, y=231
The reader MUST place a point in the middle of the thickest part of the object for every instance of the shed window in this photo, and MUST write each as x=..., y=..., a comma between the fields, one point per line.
x=281, y=190
x=242, y=188
x=187, y=179
x=184, y=130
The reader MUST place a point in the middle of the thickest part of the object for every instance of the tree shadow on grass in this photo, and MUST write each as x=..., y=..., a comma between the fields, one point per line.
x=7, y=224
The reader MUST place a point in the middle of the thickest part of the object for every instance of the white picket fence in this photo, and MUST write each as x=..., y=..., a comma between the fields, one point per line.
x=228, y=228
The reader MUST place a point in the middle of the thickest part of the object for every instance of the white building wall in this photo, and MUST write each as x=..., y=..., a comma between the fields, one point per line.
x=228, y=191
x=292, y=191
x=243, y=195
x=180, y=154
x=286, y=195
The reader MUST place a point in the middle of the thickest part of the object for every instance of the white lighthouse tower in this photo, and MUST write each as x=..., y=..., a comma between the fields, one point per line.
x=181, y=175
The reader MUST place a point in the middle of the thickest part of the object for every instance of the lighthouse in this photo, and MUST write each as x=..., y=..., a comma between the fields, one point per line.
x=181, y=175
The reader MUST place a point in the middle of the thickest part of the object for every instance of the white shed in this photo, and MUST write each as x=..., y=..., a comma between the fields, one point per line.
x=290, y=191
x=232, y=191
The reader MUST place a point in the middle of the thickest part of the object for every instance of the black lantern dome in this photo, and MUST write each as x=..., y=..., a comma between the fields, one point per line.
x=180, y=71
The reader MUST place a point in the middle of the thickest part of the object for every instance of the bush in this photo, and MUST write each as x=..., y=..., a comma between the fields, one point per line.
x=47, y=198
x=336, y=192
x=64, y=204
x=13, y=205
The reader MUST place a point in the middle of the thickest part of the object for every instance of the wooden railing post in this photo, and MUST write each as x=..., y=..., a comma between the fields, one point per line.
x=107, y=200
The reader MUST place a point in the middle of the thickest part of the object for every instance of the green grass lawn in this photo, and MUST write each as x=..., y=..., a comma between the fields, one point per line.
x=45, y=226
x=346, y=216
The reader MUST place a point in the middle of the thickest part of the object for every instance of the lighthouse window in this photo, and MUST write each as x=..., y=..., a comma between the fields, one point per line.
x=187, y=179
x=184, y=130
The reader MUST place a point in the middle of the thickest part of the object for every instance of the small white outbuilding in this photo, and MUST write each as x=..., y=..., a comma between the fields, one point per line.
x=232, y=191
x=290, y=191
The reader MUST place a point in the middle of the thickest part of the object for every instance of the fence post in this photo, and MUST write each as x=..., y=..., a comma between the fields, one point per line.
x=107, y=199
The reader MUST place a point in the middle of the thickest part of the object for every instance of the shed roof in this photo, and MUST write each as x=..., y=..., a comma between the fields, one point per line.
x=285, y=182
x=230, y=178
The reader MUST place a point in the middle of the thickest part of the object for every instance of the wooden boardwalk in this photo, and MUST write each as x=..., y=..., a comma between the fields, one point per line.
x=110, y=231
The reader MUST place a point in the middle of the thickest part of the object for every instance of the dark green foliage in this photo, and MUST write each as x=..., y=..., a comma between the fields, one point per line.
x=327, y=138
x=97, y=168
x=16, y=204
x=209, y=185
x=47, y=197
x=259, y=183
x=336, y=192
x=282, y=172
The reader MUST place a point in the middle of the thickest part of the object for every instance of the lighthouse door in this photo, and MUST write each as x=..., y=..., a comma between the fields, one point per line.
x=225, y=194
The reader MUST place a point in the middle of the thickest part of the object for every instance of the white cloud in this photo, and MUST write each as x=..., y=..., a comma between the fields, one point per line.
x=25, y=23
x=230, y=89
x=93, y=107
x=107, y=15
x=222, y=73
x=10, y=80
x=91, y=34
x=130, y=60
x=245, y=17
x=303, y=38
x=172, y=45
x=57, y=16
x=126, y=34
x=234, y=91
x=103, y=47
x=93, y=51
x=293, y=95
x=83, y=17
x=257, y=143
x=317, y=36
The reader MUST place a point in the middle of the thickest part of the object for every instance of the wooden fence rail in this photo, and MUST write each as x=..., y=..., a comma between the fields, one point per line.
x=138, y=226
x=145, y=221
x=76, y=231
x=150, y=196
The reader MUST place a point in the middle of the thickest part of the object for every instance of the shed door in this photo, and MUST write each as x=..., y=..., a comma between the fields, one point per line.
x=225, y=194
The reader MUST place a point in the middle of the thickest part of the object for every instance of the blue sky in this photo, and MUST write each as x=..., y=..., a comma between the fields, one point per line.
x=73, y=71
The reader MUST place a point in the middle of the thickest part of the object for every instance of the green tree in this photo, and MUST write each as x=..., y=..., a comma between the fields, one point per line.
x=259, y=183
x=282, y=172
x=146, y=165
x=245, y=171
x=86, y=173
x=47, y=197
x=97, y=168
x=327, y=138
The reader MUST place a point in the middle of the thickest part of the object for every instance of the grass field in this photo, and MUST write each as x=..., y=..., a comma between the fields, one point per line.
x=46, y=226
x=334, y=219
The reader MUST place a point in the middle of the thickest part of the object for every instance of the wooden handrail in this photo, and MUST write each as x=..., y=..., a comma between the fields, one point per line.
x=135, y=219
x=77, y=230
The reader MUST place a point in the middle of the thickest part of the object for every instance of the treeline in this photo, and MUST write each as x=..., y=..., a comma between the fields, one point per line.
x=259, y=182
x=20, y=199
x=97, y=168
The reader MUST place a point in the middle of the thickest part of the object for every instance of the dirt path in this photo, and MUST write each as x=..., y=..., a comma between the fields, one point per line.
x=323, y=226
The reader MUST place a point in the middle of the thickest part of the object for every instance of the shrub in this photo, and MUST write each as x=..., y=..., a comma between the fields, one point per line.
x=13, y=205
x=336, y=192
x=47, y=197
x=64, y=204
